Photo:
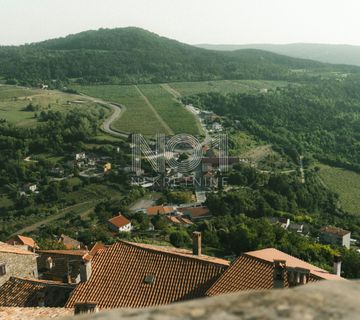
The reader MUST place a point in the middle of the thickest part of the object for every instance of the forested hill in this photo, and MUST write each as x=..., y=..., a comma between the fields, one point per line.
x=328, y=53
x=133, y=55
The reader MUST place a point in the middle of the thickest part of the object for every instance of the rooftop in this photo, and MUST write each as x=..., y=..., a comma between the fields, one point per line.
x=69, y=242
x=119, y=221
x=254, y=270
x=334, y=230
x=152, y=211
x=129, y=275
x=16, y=313
x=20, y=292
x=7, y=248
x=23, y=240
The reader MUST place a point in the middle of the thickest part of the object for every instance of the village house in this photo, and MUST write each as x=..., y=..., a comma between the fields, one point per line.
x=145, y=275
x=107, y=167
x=16, y=262
x=120, y=224
x=283, y=222
x=162, y=210
x=80, y=156
x=335, y=236
x=23, y=242
x=61, y=265
x=209, y=164
x=179, y=220
x=268, y=269
x=196, y=213
x=70, y=243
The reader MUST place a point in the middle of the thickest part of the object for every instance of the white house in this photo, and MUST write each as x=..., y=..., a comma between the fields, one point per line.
x=120, y=224
x=80, y=156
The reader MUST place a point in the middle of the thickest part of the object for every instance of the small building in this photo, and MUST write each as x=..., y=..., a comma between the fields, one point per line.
x=283, y=222
x=61, y=265
x=70, y=243
x=80, y=156
x=23, y=242
x=120, y=224
x=16, y=262
x=196, y=213
x=296, y=227
x=30, y=187
x=107, y=167
x=163, y=210
x=178, y=220
x=335, y=236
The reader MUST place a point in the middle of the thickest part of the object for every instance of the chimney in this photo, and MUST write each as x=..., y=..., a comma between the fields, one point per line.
x=86, y=307
x=337, y=265
x=279, y=273
x=85, y=270
x=196, y=238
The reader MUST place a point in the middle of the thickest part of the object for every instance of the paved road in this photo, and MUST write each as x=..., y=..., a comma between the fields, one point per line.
x=118, y=110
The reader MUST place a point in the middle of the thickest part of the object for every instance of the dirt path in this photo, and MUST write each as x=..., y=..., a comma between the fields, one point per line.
x=171, y=90
x=88, y=206
x=164, y=124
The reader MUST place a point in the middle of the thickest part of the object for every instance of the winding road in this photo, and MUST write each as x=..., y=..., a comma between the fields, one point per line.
x=118, y=110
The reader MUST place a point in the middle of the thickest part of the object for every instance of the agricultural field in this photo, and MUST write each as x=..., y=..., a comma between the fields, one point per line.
x=14, y=100
x=137, y=118
x=225, y=86
x=345, y=183
x=150, y=109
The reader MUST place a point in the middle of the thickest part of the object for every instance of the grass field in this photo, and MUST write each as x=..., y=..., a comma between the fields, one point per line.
x=345, y=183
x=13, y=100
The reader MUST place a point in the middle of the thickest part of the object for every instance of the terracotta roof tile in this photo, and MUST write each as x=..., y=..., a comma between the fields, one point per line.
x=7, y=248
x=152, y=211
x=19, y=292
x=254, y=271
x=23, y=240
x=119, y=221
x=196, y=212
x=134, y=276
x=69, y=242
x=334, y=230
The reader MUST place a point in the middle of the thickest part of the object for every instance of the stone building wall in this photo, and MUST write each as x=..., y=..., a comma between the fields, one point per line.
x=18, y=265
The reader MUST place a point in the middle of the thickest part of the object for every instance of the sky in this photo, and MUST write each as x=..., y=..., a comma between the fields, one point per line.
x=189, y=21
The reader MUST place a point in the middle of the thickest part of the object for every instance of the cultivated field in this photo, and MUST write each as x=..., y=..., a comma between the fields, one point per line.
x=154, y=108
x=345, y=183
x=13, y=101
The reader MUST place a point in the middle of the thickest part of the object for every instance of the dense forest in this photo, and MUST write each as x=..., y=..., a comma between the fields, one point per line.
x=318, y=121
x=132, y=55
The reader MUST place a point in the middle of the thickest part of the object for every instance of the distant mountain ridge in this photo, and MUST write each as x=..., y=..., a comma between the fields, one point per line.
x=134, y=55
x=327, y=53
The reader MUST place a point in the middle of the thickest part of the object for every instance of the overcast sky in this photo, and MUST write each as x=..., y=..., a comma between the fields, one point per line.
x=190, y=21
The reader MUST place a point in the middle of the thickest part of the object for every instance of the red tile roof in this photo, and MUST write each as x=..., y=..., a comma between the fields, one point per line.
x=334, y=230
x=255, y=271
x=152, y=211
x=178, y=220
x=27, y=241
x=132, y=275
x=196, y=212
x=7, y=248
x=20, y=292
x=119, y=221
x=69, y=242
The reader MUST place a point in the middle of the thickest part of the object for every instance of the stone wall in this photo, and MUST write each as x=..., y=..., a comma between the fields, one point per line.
x=324, y=300
x=18, y=265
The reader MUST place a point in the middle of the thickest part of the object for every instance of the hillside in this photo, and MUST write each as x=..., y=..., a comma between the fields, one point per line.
x=327, y=53
x=132, y=55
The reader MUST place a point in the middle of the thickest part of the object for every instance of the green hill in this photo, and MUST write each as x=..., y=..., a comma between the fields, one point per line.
x=328, y=53
x=133, y=55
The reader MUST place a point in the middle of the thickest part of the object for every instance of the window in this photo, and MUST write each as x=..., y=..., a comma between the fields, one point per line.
x=149, y=279
x=2, y=269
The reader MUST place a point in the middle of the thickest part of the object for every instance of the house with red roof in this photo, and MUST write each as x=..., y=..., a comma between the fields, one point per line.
x=335, y=236
x=23, y=242
x=120, y=224
x=268, y=269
